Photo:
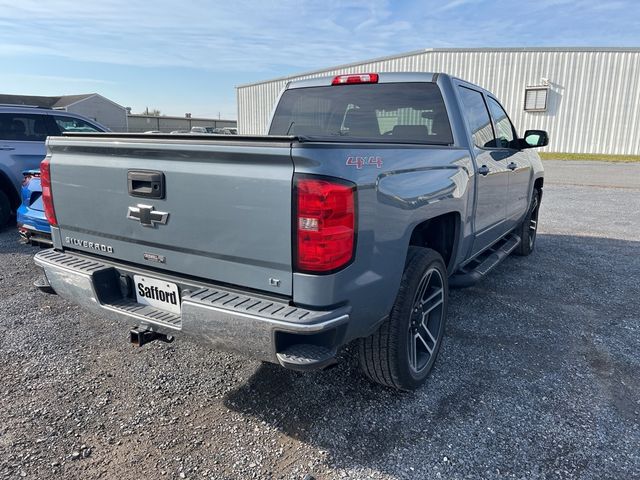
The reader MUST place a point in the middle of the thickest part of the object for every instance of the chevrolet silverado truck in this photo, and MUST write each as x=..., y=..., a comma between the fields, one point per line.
x=371, y=196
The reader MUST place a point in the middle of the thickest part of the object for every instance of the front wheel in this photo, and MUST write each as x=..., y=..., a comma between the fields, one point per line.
x=529, y=228
x=402, y=352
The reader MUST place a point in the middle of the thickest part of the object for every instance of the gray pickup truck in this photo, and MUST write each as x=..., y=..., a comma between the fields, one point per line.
x=370, y=197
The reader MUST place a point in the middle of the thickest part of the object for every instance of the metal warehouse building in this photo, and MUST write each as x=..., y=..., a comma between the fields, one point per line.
x=588, y=99
x=164, y=123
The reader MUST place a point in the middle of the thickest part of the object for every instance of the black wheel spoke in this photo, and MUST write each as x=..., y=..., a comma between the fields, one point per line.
x=413, y=358
x=421, y=339
x=433, y=301
x=430, y=335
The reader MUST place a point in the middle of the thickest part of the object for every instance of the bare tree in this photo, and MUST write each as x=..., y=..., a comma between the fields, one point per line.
x=154, y=111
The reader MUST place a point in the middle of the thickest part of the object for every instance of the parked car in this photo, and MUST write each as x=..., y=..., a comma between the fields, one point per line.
x=225, y=131
x=33, y=226
x=345, y=224
x=179, y=132
x=23, y=131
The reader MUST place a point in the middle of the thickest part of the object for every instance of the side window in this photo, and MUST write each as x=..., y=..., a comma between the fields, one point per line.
x=23, y=127
x=70, y=124
x=505, y=133
x=478, y=117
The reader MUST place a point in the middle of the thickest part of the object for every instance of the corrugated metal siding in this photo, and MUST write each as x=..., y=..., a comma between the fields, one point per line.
x=593, y=103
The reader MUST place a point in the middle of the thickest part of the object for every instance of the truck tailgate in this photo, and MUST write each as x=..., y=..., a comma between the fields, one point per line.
x=228, y=205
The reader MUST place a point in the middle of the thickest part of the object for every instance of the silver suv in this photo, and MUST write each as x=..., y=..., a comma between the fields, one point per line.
x=23, y=131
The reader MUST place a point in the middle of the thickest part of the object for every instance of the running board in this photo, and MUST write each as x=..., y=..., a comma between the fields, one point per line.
x=478, y=268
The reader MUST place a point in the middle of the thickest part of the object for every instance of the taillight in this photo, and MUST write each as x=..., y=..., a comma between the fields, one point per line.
x=355, y=78
x=325, y=224
x=47, y=198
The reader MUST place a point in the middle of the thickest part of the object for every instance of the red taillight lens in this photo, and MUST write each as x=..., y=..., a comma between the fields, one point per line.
x=47, y=198
x=325, y=224
x=356, y=78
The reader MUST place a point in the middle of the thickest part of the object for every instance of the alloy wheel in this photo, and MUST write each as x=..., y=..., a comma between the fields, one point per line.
x=426, y=320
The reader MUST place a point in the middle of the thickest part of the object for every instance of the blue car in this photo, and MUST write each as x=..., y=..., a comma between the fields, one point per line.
x=32, y=223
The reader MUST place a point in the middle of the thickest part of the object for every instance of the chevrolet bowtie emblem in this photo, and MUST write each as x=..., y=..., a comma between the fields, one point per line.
x=147, y=215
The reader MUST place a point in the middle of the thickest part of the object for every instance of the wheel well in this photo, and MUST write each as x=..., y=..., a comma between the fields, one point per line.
x=439, y=233
x=538, y=183
x=7, y=187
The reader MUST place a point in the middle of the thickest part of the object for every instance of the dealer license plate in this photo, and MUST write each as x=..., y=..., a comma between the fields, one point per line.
x=157, y=293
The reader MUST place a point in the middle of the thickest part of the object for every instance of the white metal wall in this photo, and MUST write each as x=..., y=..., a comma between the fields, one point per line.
x=593, y=103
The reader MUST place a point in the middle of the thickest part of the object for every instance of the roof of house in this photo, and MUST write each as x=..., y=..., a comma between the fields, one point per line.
x=66, y=100
x=61, y=101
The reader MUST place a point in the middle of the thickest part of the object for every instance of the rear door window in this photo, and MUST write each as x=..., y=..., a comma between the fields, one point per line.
x=23, y=127
x=382, y=112
x=71, y=124
x=475, y=110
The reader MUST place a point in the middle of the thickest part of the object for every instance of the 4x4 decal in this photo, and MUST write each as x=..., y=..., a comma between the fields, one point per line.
x=361, y=162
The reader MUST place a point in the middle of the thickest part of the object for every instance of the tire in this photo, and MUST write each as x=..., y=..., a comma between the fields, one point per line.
x=528, y=229
x=393, y=355
x=5, y=209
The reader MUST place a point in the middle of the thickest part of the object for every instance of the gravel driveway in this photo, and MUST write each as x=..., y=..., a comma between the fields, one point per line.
x=539, y=376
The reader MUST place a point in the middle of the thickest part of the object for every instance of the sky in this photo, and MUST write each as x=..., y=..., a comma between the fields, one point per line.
x=189, y=56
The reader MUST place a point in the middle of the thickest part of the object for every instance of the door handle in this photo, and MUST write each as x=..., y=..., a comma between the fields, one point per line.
x=145, y=183
x=6, y=147
x=483, y=170
x=512, y=166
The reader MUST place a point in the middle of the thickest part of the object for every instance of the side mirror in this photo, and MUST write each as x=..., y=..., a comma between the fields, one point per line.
x=535, y=138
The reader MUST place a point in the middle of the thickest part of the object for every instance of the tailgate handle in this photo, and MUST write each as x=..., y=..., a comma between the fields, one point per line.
x=146, y=183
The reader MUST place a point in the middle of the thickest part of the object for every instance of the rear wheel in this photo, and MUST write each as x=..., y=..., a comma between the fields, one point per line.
x=5, y=209
x=402, y=352
x=529, y=228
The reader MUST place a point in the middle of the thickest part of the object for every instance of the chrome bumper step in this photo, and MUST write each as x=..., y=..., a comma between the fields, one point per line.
x=304, y=357
x=225, y=318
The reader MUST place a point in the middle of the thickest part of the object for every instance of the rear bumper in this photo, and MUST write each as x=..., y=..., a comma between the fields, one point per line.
x=254, y=325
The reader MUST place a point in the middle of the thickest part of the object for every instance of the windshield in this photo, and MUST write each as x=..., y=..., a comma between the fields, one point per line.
x=381, y=112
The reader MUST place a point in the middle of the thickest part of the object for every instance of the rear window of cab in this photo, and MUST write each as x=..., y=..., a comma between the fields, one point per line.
x=375, y=112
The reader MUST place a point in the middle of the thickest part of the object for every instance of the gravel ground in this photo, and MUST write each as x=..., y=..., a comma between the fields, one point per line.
x=537, y=378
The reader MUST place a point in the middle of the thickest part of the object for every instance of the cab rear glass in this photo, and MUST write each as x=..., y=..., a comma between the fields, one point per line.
x=377, y=112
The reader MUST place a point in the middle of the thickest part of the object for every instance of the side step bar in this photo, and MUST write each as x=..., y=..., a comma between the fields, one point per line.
x=478, y=268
